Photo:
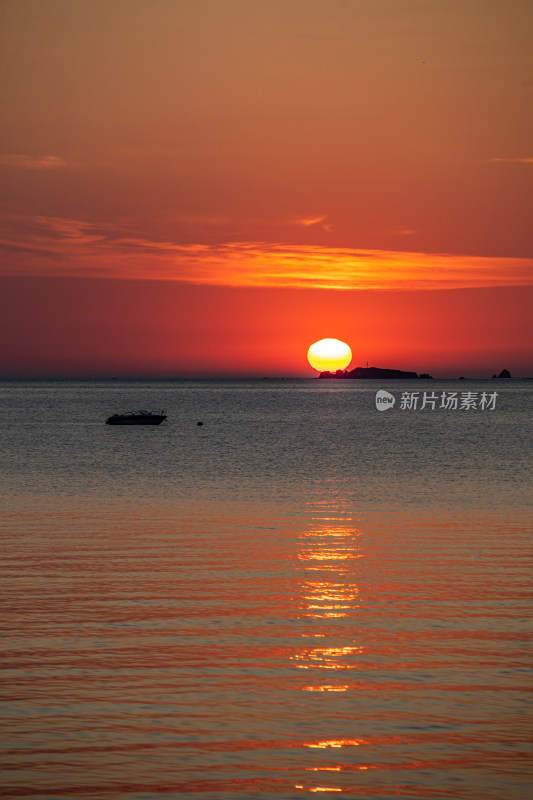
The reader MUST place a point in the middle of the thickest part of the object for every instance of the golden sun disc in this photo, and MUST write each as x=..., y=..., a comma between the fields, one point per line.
x=329, y=354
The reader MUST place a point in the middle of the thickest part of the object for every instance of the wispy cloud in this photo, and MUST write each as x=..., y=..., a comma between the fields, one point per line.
x=307, y=222
x=402, y=232
x=68, y=247
x=22, y=161
x=311, y=222
x=250, y=221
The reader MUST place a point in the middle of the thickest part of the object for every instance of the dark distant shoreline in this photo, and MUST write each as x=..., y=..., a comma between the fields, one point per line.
x=378, y=373
x=364, y=373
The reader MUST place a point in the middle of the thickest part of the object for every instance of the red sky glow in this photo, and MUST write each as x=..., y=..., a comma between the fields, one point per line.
x=206, y=188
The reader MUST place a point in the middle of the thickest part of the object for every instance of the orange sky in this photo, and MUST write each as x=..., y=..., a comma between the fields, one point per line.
x=223, y=182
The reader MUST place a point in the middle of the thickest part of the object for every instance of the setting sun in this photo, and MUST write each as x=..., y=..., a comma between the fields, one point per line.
x=329, y=354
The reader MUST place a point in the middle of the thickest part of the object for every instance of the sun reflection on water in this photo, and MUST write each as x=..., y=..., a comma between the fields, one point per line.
x=326, y=688
x=328, y=557
x=325, y=657
x=334, y=743
x=330, y=547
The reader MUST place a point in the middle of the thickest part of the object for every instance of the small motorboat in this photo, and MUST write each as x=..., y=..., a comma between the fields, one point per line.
x=137, y=418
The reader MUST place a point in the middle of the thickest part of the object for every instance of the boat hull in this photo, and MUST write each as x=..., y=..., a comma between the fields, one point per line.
x=152, y=420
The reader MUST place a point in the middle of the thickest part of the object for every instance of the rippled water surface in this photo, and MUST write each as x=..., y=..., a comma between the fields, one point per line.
x=302, y=595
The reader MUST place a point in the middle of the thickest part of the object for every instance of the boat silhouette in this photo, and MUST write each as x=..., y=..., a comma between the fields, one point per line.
x=137, y=418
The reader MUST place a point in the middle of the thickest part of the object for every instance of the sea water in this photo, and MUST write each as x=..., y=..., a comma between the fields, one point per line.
x=301, y=595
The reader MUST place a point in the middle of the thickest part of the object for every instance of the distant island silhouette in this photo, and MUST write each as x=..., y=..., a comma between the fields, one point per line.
x=372, y=372
x=365, y=373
